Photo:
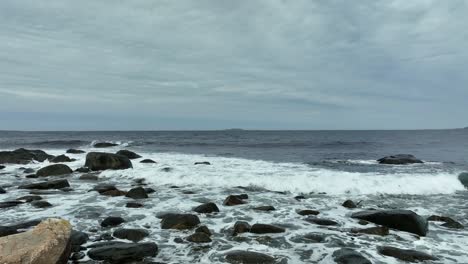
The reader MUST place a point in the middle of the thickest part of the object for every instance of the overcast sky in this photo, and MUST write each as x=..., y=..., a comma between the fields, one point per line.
x=264, y=64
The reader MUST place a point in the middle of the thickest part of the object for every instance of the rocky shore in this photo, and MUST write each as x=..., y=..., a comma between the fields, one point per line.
x=112, y=219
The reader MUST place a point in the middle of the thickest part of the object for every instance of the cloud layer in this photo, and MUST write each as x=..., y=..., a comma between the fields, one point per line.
x=217, y=64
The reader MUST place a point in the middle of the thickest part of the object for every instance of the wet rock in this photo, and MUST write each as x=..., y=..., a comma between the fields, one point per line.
x=123, y=252
x=112, y=221
x=77, y=239
x=148, y=161
x=199, y=238
x=241, y=227
x=405, y=255
x=77, y=256
x=2, y=190
x=265, y=208
x=449, y=222
x=55, y=184
x=400, y=159
x=300, y=197
x=133, y=205
x=14, y=229
x=308, y=212
x=28, y=170
x=104, y=187
x=104, y=145
x=179, y=221
x=349, y=204
x=49, y=242
x=149, y=190
x=31, y=176
x=232, y=200
x=83, y=170
x=248, y=257
x=463, y=178
x=54, y=170
x=129, y=154
x=9, y=204
x=41, y=204
x=321, y=221
x=316, y=238
x=134, y=235
x=62, y=158
x=23, y=156
x=2, y=167
x=167, y=169
x=89, y=177
x=378, y=230
x=349, y=256
x=75, y=151
x=137, y=193
x=202, y=163
x=96, y=161
x=403, y=220
x=265, y=229
x=206, y=208
x=203, y=229
x=114, y=193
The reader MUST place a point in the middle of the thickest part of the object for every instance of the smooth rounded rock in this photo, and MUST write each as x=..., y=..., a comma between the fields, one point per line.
x=54, y=170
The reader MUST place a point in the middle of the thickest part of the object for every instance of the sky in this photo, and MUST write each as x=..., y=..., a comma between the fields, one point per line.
x=217, y=64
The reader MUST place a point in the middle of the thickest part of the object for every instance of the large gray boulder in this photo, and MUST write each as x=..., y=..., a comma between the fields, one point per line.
x=400, y=159
x=54, y=170
x=96, y=161
x=404, y=220
x=23, y=156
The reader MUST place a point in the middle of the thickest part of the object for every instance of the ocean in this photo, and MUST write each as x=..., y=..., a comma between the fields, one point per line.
x=272, y=167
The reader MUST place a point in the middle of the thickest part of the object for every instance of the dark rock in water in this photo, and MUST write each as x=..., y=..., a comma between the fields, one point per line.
x=265, y=208
x=202, y=163
x=23, y=156
x=112, y=221
x=104, y=145
x=308, y=212
x=316, y=238
x=241, y=227
x=405, y=255
x=206, y=208
x=31, y=176
x=453, y=225
x=265, y=229
x=77, y=239
x=449, y=222
x=129, y=154
x=134, y=235
x=167, y=169
x=89, y=177
x=123, y=252
x=103, y=187
x=299, y=197
x=248, y=257
x=77, y=256
x=7, y=231
x=379, y=230
x=56, y=184
x=83, y=170
x=149, y=190
x=148, y=161
x=179, y=221
x=403, y=220
x=106, y=161
x=349, y=256
x=232, y=200
x=75, y=151
x=13, y=229
x=61, y=158
x=137, y=193
x=9, y=204
x=199, y=238
x=349, y=204
x=41, y=204
x=463, y=178
x=28, y=170
x=203, y=229
x=54, y=170
x=2, y=167
x=114, y=193
x=400, y=159
x=2, y=190
x=133, y=205
x=321, y=221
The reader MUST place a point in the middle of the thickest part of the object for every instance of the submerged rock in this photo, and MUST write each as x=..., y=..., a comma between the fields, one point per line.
x=2, y=191
x=47, y=243
x=400, y=159
x=206, y=208
x=123, y=252
x=148, y=161
x=75, y=151
x=378, y=230
x=199, y=237
x=129, y=154
x=241, y=227
x=449, y=222
x=104, y=187
x=62, y=158
x=265, y=208
x=55, y=184
x=23, y=156
x=463, y=178
x=2, y=167
x=104, y=145
x=202, y=163
x=112, y=221
x=83, y=170
x=134, y=235
x=9, y=204
x=232, y=200
x=405, y=255
x=14, y=229
x=403, y=220
x=265, y=229
x=137, y=193
x=349, y=204
x=41, y=204
x=248, y=257
x=308, y=212
x=321, y=221
x=54, y=170
x=89, y=177
x=96, y=161
x=133, y=205
x=349, y=256
x=179, y=221
x=29, y=198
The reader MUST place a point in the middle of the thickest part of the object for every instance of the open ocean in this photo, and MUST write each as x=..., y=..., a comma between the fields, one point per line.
x=272, y=167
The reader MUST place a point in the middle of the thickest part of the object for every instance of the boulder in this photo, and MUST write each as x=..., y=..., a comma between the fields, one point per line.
x=265, y=229
x=203, y=229
x=349, y=256
x=61, y=158
x=23, y=156
x=14, y=229
x=41, y=204
x=2, y=167
x=83, y=170
x=232, y=200
x=8, y=204
x=202, y=163
x=405, y=254
x=55, y=184
x=308, y=212
x=89, y=177
x=400, y=159
x=29, y=198
x=134, y=235
x=2, y=191
x=463, y=178
x=321, y=221
x=28, y=170
x=133, y=205
x=148, y=161
x=199, y=237
x=49, y=242
x=114, y=193
x=77, y=239
x=137, y=193
x=129, y=154
x=206, y=208
x=404, y=220
x=248, y=257
x=378, y=230
x=54, y=170
x=112, y=221
x=179, y=221
x=241, y=227
x=265, y=208
x=104, y=187
x=123, y=252
x=75, y=151
x=448, y=221
x=106, y=161
x=349, y=204
x=104, y=145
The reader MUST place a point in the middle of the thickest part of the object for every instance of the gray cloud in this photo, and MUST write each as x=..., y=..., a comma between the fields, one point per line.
x=216, y=64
